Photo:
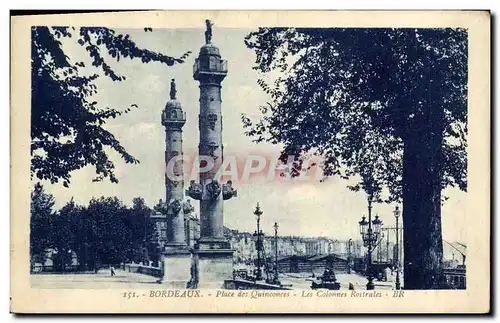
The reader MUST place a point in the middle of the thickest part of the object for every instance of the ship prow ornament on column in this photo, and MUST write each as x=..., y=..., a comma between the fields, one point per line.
x=213, y=254
x=176, y=257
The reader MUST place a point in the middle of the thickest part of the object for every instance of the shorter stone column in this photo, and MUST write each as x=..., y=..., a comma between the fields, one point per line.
x=176, y=257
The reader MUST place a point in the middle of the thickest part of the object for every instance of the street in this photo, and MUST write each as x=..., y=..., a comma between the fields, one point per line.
x=358, y=281
x=101, y=280
x=124, y=280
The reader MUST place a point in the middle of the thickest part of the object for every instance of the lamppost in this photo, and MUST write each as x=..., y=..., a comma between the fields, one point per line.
x=258, y=233
x=370, y=232
x=397, y=213
x=387, y=247
x=349, y=256
x=276, y=273
x=379, y=235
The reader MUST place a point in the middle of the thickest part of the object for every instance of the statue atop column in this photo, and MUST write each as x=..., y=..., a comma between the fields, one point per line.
x=208, y=32
x=173, y=91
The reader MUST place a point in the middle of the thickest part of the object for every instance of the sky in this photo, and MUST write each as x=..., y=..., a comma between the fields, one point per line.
x=307, y=208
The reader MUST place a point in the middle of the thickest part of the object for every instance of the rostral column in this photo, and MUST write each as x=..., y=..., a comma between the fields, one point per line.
x=213, y=249
x=176, y=258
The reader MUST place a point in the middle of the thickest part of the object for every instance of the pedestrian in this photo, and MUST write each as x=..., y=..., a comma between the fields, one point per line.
x=112, y=271
x=351, y=286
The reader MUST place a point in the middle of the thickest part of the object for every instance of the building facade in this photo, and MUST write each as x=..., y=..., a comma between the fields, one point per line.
x=245, y=247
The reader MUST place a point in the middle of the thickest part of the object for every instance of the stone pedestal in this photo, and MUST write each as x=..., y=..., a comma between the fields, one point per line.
x=213, y=267
x=176, y=268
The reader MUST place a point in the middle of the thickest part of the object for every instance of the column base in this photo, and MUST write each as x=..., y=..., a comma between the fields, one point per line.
x=176, y=268
x=213, y=267
x=213, y=243
x=174, y=249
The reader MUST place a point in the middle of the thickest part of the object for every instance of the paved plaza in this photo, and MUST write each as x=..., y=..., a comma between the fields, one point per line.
x=101, y=280
x=358, y=281
x=124, y=280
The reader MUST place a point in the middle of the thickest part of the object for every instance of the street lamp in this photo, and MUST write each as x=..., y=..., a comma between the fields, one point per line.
x=370, y=232
x=397, y=213
x=349, y=256
x=377, y=230
x=276, y=273
x=377, y=226
x=258, y=233
x=363, y=224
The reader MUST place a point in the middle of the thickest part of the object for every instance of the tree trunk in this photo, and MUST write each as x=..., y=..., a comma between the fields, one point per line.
x=421, y=218
x=422, y=174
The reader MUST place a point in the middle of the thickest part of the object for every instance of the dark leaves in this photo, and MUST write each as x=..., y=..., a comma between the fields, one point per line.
x=97, y=38
x=351, y=96
x=105, y=231
x=66, y=124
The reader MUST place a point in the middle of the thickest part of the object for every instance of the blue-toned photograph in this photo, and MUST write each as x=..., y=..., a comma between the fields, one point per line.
x=266, y=158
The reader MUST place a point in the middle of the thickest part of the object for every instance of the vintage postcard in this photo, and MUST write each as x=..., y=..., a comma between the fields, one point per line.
x=251, y=162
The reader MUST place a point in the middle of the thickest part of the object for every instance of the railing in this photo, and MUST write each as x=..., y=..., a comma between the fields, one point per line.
x=455, y=278
x=210, y=64
x=69, y=269
x=142, y=269
x=173, y=116
x=75, y=269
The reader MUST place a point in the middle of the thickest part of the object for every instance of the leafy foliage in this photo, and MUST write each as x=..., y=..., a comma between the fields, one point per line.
x=111, y=230
x=66, y=124
x=104, y=232
x=64, y=234
x=355, y=96
x=41, y=222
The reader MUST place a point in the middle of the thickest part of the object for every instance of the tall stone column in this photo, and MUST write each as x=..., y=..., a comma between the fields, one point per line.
x=214, y=254
x=210, y=124
x=176, y=258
